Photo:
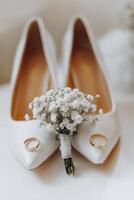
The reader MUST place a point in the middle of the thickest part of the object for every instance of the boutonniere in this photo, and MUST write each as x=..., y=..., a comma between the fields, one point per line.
x=61, y=112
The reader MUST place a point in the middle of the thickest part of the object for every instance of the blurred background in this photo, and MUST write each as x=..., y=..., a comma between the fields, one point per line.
x=56, y=15
x=112, y=22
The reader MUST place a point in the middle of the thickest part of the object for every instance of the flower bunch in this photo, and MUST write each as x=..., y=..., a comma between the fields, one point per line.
x=61, y=111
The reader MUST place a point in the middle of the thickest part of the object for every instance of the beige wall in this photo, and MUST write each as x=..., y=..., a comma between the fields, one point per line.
x=56, y=14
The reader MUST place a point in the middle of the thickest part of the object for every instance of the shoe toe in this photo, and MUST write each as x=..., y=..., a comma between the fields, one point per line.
x=32, y=144
x=96, y=143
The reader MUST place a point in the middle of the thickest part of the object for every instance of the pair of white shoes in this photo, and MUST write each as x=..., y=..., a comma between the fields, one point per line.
x=35, y=71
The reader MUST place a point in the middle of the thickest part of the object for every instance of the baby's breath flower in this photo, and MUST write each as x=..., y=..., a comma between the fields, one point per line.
x=97, y=96
x=69, y=126
x=43, y=117
x=79, y=119
x=90, y=97
x=67, y=89
x=31, y=105
x=62, y=125
x=52, y=107
x=93, y=107
x=27, y=118
x=100, y=111
x=64, y=109
x=49, y=92
x=76, y=104
x=53, y=117
x=74, y=114
x=65, y=120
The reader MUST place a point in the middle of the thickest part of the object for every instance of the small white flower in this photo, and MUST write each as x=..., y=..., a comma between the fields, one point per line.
x=42, y=98
x=31, y=105
x=76, y=104
x=73, y=115
x=62, y=125
x=75, y=93
x=65, y=120
x=43, y=117
x=86, y=104
x=69, y=126
x=76, y=90
x=52, y=107
x=67, y=98
x=53, y=117
x=27, y=117
x=79, y=119
x=49, y=92
x=97, y=96
x=60, y=102
x=35, y=113
x=64, y=114
x=67, y=89
x=64, y=108
x=90, y=97
x=37, y=105
x=93, y=107
x=100, y=111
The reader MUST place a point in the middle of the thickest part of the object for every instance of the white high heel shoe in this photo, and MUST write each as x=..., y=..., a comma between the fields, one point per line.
x=33, y=74
x=84, y=69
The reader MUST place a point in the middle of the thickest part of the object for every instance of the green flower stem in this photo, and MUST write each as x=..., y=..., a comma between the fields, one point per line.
x=69, y=166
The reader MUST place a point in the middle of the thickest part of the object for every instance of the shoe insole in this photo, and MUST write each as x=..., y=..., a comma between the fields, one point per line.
x=31, y=78
x=85, y=72
x=87, y=76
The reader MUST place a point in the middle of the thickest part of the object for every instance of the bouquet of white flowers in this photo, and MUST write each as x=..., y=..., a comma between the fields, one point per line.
x=61, y=111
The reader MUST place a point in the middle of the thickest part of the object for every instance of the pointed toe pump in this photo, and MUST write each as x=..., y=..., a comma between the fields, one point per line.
x=33, y=74
x=84, y=70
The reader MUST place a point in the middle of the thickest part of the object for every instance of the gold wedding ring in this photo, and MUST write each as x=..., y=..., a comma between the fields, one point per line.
x=32, y=144
x=98, y=140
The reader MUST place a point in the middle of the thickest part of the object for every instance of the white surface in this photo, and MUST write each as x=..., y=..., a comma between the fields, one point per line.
x=113, y=180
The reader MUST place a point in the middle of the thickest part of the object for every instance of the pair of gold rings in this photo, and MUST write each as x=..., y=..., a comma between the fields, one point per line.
x=97, y=140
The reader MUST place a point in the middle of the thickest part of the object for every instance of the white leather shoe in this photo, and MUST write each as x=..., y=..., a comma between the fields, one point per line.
x=84, y=69
x=33, y=74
